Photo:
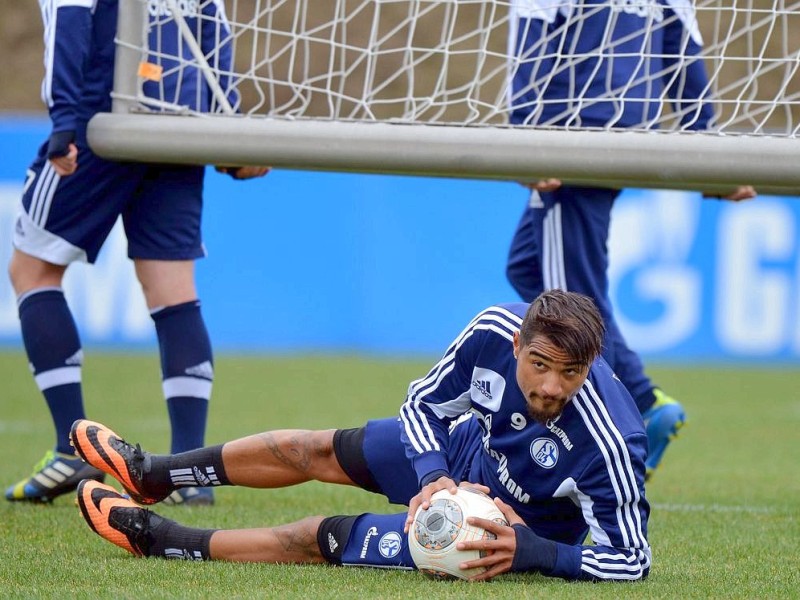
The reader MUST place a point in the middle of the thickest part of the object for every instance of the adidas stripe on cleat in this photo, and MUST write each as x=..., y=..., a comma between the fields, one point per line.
x=54, y=475
x=116, y=518
x=105, y=450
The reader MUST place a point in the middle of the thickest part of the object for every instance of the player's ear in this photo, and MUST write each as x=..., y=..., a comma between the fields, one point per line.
x=516, y=344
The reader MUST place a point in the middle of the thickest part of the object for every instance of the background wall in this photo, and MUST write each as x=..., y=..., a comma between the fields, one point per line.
x=302, y=261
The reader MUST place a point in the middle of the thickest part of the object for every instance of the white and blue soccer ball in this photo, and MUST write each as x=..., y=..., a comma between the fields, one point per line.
x=433, y=537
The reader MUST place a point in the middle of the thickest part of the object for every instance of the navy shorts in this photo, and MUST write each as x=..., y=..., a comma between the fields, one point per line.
x=67, y=219
x=374, y=458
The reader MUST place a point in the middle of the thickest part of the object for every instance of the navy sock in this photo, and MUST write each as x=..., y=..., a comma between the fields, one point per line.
x=54, y=352
x=187, y=369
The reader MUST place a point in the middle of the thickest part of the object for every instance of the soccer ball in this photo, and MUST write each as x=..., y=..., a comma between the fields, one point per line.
x=435, y=532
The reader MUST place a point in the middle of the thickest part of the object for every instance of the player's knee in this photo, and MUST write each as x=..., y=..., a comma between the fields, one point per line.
x=28, y=273
x=333, y=533
x=166, y=283
x=301, y=540
x=320, y=445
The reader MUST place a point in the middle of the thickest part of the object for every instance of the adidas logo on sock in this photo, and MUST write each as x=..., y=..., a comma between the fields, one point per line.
x=182, y=554
x=204, y=370
x=193, y=477
x=75, y=359
x=201, y=477
x=332, y=543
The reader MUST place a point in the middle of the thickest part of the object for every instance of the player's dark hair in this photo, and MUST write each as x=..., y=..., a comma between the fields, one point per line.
x=569, y=320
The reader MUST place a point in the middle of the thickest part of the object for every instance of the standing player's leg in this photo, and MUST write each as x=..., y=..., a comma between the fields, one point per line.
x=54, y=353
x=62, y=220
x=560, y=242
x=575, y=230
x=524, y=266
x=567, y=233
x=580, y=221
x=163, y=227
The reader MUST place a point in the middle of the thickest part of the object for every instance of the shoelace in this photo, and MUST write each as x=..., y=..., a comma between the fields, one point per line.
x=135, y=523
x=137, y=454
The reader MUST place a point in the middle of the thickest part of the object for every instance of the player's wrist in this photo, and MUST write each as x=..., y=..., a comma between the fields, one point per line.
x=433, y=476
x=59, y=142
x=533, y=552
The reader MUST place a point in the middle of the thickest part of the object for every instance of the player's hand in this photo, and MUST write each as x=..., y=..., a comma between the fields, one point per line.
x=66, y=165
x=475, y=486
x=743, y=192
x=62, y=152
x=248, y=172
x=423, y=498
x=499, y=551
x=542, y=185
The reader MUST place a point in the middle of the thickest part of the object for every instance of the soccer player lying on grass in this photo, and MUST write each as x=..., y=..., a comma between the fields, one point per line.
x=525, y=407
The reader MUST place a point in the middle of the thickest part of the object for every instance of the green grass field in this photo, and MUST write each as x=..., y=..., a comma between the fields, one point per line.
x=726, y=504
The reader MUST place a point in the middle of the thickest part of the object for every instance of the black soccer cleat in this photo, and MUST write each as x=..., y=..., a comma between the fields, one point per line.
x=117, y=519
x=105, y=450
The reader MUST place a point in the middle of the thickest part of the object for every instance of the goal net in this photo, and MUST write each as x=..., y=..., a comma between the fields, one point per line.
x=645, y=93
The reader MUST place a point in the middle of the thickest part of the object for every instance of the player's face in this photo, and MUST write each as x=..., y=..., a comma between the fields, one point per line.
x=547, y=376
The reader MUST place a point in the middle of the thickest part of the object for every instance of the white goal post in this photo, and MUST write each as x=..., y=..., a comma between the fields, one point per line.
x=424, y=87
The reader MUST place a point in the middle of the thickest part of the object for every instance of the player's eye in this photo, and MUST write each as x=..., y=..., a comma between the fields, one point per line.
x=573, y=372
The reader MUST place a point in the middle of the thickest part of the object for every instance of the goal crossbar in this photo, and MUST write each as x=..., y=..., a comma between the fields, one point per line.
x=690, y=161
x=433, y=88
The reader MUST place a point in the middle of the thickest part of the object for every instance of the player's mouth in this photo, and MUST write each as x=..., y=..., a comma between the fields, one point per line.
x=544, y=408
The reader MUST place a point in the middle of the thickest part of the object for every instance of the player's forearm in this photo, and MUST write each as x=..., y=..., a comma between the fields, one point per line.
x=691, y=98
x=588, y=563
x=531, y=64
x=217, y=43
x=67, y=42
x=685, y=77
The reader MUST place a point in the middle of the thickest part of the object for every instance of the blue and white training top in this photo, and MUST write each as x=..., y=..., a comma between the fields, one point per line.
x=631, y=54
x=582, y=473
x=79, y=57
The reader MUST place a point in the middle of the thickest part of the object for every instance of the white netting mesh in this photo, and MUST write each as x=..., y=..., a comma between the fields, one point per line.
x=406, y=61
x=446, y=61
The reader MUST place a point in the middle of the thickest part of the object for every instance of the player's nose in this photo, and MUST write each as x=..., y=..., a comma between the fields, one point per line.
x=552, y=386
